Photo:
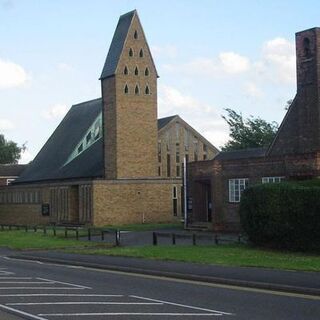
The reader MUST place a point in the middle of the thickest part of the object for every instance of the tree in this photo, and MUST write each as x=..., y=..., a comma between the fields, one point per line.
x=10, y=152
x=248, y=133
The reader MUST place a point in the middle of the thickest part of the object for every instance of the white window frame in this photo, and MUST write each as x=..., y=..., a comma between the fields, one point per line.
x=271, y=179
x=236, y=186
x=9, y=180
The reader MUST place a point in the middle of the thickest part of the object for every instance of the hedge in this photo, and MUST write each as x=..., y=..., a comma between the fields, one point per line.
x=282, y=215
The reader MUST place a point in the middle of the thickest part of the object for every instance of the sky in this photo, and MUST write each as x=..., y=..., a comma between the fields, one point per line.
x=210, y=55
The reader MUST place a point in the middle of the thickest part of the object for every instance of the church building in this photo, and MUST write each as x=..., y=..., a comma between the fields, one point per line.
x=110, y=160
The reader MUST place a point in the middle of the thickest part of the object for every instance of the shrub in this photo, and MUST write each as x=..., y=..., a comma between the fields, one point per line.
x=284, y=215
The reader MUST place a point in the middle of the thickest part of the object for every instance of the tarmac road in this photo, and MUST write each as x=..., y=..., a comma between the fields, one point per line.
x=33, y=290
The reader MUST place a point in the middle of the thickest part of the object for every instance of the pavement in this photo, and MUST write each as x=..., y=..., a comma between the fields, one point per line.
x=259, y=278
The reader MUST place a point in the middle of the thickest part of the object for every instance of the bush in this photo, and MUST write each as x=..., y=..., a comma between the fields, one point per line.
x=284, y=215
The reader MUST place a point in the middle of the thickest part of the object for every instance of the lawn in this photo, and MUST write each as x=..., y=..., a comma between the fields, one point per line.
x=35, y=240
x=228, y=255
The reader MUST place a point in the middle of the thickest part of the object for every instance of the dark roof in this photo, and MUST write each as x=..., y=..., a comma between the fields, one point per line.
x=11, y=170
x=117, y=44
x=162, y=122
x=241, y=154
x=49, y=164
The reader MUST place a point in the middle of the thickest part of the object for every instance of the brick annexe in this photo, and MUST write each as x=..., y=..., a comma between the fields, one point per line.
x=215, y=186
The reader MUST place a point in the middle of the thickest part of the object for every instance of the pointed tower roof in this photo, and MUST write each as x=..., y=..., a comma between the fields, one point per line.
x=117, y=44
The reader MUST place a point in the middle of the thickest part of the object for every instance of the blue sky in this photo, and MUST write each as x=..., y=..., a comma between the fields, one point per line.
x=210, y=55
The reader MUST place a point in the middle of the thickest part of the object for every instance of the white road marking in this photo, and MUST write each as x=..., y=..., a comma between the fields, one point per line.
x=67, y=283
x=181, y=305
x=30, y=316
x=27, y=282
x=81, y=302
x=15, y=278
x=60, y=295
x=126, y=314
x=40, y=288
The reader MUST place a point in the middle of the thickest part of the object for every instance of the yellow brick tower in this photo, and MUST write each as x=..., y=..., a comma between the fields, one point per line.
x=129, y=93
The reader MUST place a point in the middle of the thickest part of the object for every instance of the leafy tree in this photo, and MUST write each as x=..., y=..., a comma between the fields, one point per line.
x=10, y=152
x=248, y=133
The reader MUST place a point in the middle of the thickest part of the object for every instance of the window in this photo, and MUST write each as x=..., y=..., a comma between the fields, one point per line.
x=80, y=148
x=236, y=186
x=177, y=153
x=146, y=72
x=130, y=52
x=136, y=71
x=159, y=171
x=9, y=181
x=159, y=151
x=168, y=165
x=147, y=90
x=178, y=171
x=126, y=89
x=88, y=137
x=135, y=35
x=272, y=179
x=125, y=71
x=204, y=156
x=141, y=53
x=174, y=201
x=136, y=90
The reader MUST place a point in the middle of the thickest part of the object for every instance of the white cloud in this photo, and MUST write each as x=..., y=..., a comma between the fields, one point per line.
x=253, y=90
x=279, y=60
x=26, y=157
x=6, y=124
x=11, y=75
x=56, y=112
x=233, y=63
x=167, y=51
x=203, y=117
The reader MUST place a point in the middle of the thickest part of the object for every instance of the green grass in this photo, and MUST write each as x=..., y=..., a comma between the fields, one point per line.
x=228, y=255
x=35, y=240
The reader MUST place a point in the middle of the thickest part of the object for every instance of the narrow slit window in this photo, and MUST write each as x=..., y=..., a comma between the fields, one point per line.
x=126, y=89
x=136, y=90
x=135, y=35
x=147, y=90
x=146, y=72
x=136, y=71
x=130, y=52
x=126, y=71
x=141, y=53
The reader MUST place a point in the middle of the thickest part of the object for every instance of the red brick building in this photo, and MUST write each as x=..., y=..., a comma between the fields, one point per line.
x=215, y=186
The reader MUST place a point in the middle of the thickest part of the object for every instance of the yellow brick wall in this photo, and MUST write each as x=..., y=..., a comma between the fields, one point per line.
x=125, y=202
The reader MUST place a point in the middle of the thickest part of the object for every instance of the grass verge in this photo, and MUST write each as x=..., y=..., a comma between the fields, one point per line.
x=228, y=255
x=22, y=240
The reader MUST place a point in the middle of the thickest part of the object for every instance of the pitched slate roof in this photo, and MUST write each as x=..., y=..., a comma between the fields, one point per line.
x=162, y=122
x=11, y=170
x=117, y=44
x=241, y=154
x=49, y=164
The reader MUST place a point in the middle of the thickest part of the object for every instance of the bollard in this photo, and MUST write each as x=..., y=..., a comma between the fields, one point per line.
x=102, y=235
x=216, y=239
x=54, y=231
x=89, y=234
x=44, y=230
x=194, y=239
x=154, y=239
x=117, y=238
x=77, y=234
x=66, y=233
x=173, y=239
x=239, y=238
x=26, y=228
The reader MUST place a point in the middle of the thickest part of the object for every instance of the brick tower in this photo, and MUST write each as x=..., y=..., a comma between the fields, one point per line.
x=300, y=130
x=129, y=94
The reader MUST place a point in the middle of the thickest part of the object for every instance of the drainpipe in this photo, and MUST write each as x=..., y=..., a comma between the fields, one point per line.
x=185, y=192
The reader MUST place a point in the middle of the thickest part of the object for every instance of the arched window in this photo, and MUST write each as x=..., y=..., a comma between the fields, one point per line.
x=136, y=71
x=141, y=53
x=126, y=89
x=135, y=35
x=130, y=52
x=147, y=90
x=136, y=90
x=125, y=71
x=146, y=72
x=306, y=47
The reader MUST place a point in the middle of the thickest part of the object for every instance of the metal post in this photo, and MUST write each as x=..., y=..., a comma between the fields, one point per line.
x=54, y=231
x=89, y=234
x=194, y=239
x=185, y=192
x=44, y=230
x=117, y=239
x=102, y=235
x=216, y=239
x=66, y=233
x=173, y=239
x=77, y=234
x=154, y=239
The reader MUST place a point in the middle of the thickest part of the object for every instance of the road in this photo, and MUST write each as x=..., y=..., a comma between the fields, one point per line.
x=33, y=290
